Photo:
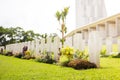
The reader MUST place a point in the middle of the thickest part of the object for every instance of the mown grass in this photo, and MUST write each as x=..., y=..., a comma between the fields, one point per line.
x=18, y=69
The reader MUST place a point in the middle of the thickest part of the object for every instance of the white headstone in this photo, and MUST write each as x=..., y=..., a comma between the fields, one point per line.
x=118, y=42
x=94, y=47
x=68, y=42
x=56, y=46
x=77, y=41
x=109, y=45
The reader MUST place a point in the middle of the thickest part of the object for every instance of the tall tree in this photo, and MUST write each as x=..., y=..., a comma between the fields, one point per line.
x=3, y=33
x=61, y=17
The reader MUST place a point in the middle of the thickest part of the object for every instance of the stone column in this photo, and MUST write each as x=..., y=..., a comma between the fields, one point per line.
x=118, y=26
x=102, y=31
x=106, y=29
x=85, y=34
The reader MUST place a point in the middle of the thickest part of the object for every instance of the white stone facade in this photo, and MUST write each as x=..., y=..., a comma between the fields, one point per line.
x=88, y=11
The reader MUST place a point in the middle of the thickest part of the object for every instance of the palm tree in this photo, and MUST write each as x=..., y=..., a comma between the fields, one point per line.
x=61, y=17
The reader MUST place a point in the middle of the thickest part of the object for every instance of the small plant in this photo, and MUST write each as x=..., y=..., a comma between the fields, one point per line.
x=27, y=52
x=46, y=57
x=81, y=64
x=9, y=53
x=65, y=63
x=103, y=51
x=18, y=55
x=27, y=55
x=80, y=55
x=68, y=51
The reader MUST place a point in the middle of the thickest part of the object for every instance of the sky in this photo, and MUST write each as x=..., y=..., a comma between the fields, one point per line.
x=39, y=15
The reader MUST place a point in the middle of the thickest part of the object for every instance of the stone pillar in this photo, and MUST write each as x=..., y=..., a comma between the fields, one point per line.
x=111, y=29
x=106, y=29
x=85, y=34
x=94, y=47
x=102, y=31
x=118, y=26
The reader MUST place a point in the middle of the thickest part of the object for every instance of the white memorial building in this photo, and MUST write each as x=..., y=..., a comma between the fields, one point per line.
x=88, y=11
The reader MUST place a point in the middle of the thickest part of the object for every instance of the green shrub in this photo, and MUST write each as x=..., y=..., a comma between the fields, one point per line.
x=65, y=63
x=103, y=51
x=8, y=53
x=80, y=55
x=27, y=52
x=26, y=57
x=45, y=58
x=81, y=64
x=68, y=51
x=18, y=55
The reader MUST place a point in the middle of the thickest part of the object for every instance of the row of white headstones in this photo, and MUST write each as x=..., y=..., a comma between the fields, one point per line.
x=94, y=44
x=38, y=46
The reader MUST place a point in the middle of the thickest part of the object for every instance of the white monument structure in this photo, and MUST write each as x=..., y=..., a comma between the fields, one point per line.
x=88, y=11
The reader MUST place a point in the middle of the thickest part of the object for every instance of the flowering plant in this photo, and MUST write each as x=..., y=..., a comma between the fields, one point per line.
x=27, y=52
x=68, y=51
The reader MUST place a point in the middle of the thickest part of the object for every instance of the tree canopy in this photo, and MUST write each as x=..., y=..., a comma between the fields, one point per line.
x=15, y=35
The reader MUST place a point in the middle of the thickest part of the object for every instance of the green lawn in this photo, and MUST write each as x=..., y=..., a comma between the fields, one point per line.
x=18, y=69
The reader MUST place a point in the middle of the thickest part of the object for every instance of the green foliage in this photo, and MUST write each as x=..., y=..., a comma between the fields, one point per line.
x=45, y=37
x=62, y=41
x=53, y=35
x=103, y=51
x=18, y=55
x=65, y=63
x=27, y=52
x=8, y=53
x=81, y=64
x=68, y=51
x=46, y=57
x=26, y=57
x=58, y=15
x=14, y=69
x=80, y=54
x=15, y=35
